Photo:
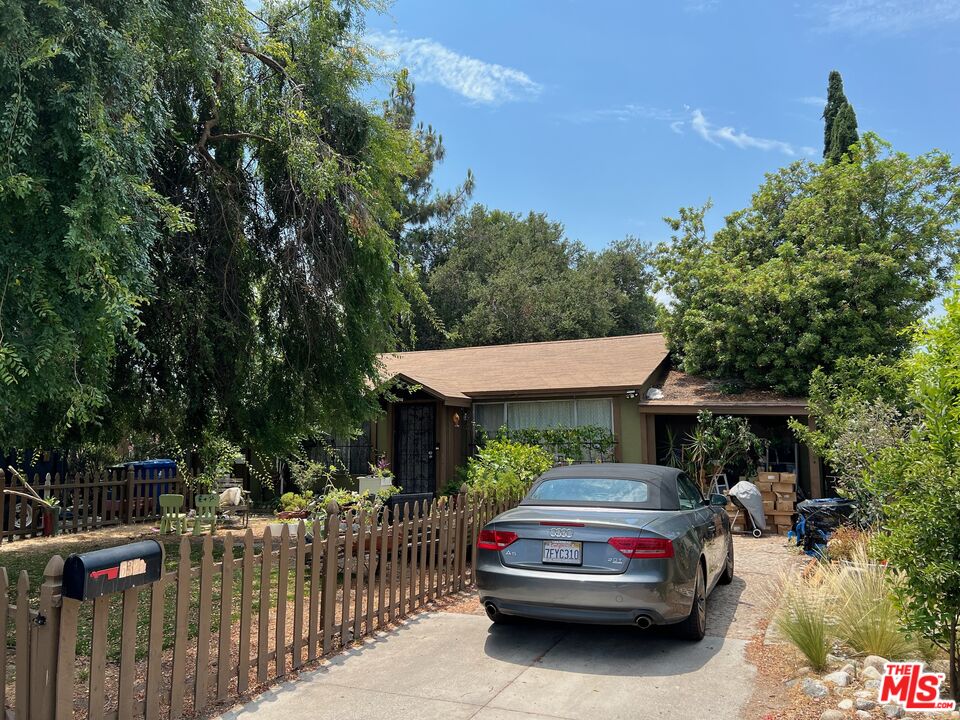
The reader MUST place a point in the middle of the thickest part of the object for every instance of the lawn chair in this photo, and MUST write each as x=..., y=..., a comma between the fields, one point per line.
x=171, y=515
x=206, y=506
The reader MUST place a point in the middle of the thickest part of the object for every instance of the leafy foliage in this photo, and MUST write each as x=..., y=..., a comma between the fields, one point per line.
x=919, y=480
x=79, y=120
x=270, y=313
x=296, y=502
x=504, y=469
x=566, y=444
x=311, y=476
x=861, y=409
x=217, y=457
x=839, y=121
x=829, y=261
x=500, y=278
x=212, y=205
x=716, y=442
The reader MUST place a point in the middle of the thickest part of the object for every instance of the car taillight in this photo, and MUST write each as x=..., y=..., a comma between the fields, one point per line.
x=643, y=547
x=495, y=539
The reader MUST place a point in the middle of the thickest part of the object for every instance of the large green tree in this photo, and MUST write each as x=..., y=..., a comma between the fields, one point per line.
x=507, y=278
x=79, y=121
x=422, y=208
x=918, y=481
x=839, y=120
x=255, y=312
x=829, y=261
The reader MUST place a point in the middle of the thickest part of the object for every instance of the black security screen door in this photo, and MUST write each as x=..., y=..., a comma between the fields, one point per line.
x=414, y=447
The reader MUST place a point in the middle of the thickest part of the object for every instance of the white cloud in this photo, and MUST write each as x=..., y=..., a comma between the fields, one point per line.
x=677, y=126
x=623, y=113
x=812, y=100
x=700, y=6
x=724, y=136
x=474, y=79
x=886, y=16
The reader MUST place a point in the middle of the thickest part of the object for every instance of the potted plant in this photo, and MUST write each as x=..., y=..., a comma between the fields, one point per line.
x=49, y=506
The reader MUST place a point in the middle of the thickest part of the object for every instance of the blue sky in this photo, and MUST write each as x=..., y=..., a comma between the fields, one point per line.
x=609, y=115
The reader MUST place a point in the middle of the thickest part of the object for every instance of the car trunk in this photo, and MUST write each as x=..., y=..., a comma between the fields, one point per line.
x=558, y=539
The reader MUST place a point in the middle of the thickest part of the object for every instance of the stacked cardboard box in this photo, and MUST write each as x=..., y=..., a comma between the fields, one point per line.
x=779, y=493
x=737, y=522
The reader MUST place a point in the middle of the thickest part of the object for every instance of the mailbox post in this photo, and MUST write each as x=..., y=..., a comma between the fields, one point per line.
x=45, y=689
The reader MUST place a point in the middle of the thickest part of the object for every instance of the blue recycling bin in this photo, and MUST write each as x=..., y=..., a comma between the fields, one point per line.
x=153, y=470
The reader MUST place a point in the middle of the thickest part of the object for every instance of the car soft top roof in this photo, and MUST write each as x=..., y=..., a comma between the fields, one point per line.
x=661, y=481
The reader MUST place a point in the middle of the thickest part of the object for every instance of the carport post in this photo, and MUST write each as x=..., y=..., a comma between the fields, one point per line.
x=816, y=478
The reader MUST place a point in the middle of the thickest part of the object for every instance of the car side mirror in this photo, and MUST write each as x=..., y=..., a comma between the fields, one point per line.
x=718, y=500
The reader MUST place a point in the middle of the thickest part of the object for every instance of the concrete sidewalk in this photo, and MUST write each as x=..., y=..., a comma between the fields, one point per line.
x=447, y=665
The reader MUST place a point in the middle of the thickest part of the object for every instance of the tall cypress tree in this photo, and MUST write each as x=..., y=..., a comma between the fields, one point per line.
x=839, y=121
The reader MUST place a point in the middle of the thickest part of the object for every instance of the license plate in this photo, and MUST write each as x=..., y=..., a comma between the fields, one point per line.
x=563, y=552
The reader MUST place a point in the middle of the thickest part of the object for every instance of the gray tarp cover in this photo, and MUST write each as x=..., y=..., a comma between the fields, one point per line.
x=749, y=497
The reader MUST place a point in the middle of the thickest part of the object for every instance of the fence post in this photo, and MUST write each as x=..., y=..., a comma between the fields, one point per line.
x=129, y=487
x=44, y=643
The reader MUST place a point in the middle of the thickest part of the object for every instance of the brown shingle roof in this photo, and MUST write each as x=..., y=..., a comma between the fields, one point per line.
x=696, y=391
x=563, y=366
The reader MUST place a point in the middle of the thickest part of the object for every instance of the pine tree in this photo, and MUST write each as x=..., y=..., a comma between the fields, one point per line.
x=839, y=121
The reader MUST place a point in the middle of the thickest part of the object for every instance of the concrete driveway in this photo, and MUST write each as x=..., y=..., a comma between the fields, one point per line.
x=458, y=665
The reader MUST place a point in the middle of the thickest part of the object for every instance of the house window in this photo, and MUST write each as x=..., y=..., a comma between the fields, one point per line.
x=354, y=453
x=544, y=414
x=489, y=417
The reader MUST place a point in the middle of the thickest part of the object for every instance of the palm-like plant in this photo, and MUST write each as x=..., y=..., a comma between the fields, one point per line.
x=716, y=441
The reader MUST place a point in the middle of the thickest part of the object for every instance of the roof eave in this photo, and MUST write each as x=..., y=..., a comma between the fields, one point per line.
x=728, y=408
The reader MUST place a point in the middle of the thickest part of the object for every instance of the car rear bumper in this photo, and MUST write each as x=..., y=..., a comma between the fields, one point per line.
x=615, y=599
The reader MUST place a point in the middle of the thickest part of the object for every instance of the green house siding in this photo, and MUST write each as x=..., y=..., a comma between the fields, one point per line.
x=630, y=432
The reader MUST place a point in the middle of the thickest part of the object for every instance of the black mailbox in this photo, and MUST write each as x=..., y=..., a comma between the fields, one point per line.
x=101, y=572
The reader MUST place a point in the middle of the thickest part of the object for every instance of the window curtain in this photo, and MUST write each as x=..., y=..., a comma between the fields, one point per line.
x=544, y=414
x=595, y=412
x=489, y=417
x=540, y=414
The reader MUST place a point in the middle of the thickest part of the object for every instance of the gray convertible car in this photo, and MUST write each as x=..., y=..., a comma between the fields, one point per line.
x=607, y=543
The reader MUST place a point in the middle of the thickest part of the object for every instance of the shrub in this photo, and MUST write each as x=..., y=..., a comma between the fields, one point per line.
x=311, y=476
x=578, y=444
x=803, y=617
x=867, y=617
x=291, y=501
x=845, y=543
x=503, y=469
x=716, y=441
x=849, y=602
x=920, y=483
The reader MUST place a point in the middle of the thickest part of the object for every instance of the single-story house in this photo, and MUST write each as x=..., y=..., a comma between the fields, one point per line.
x=625, y=384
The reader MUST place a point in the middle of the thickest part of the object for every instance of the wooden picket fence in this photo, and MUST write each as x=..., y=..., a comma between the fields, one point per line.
x=210, y=633
x=87, y=501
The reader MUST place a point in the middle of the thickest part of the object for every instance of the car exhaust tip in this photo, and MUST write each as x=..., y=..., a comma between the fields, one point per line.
x=491, y=610
x=643, y=621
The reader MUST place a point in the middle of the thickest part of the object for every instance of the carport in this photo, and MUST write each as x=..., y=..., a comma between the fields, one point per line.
x=682, y=396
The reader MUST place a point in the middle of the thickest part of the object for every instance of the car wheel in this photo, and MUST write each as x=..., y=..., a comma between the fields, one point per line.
x=726, y=577
x=695, y=626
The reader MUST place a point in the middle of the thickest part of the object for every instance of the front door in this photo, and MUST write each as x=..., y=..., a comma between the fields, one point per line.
x=415, y=443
